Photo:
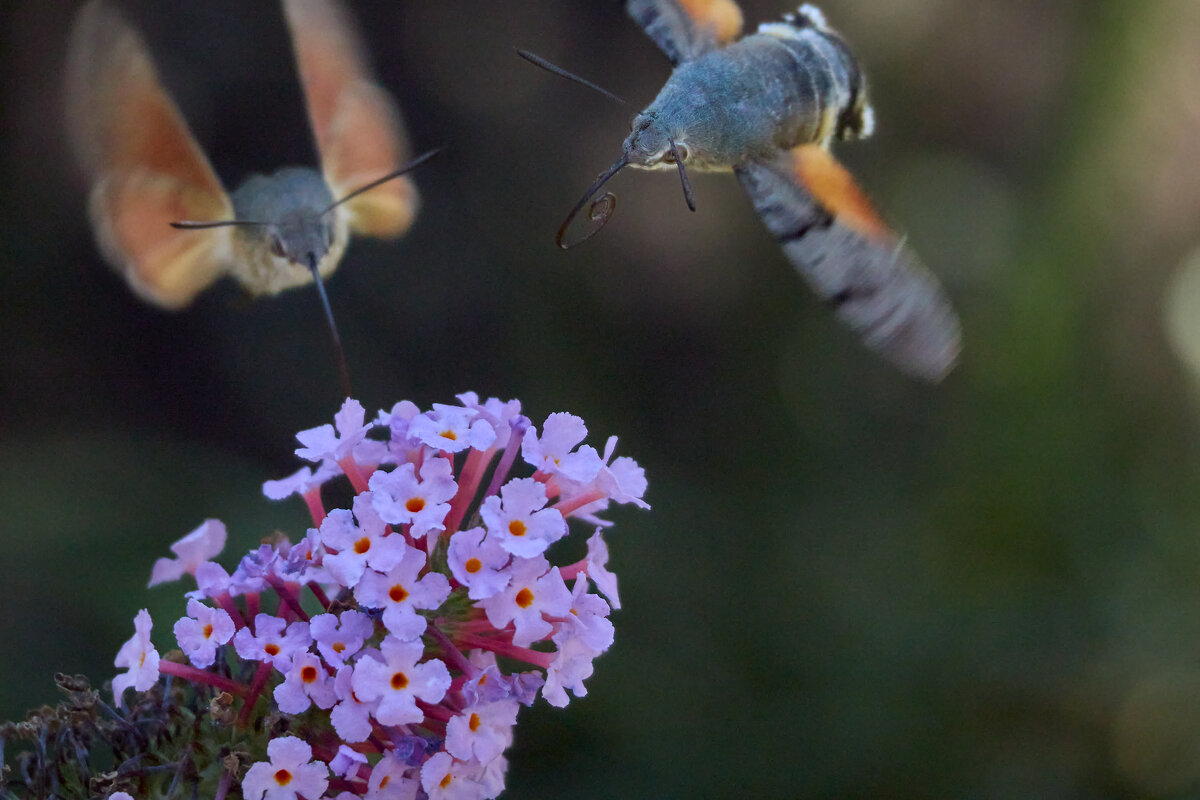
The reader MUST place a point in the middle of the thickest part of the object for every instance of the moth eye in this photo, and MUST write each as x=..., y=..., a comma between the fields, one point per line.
x=276, y=246
x=668, y=156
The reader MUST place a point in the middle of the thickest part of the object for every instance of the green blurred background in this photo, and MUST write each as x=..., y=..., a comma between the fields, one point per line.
x=851, y=584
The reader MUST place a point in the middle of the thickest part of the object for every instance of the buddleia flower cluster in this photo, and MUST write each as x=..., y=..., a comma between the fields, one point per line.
x=387, y=652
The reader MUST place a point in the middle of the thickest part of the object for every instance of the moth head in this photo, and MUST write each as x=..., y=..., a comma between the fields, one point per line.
x=649, y=144
x=301, y=238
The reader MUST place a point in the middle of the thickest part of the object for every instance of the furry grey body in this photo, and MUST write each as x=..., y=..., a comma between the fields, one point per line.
x=773, y=90
x=768, y=105
x=294, y=204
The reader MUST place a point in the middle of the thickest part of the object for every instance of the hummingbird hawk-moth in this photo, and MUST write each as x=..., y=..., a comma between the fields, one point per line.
x=767, y=106
x=162, y=217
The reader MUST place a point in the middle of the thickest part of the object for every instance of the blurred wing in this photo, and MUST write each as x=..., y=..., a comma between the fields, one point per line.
x=685, y=29
x=875, y=283
x=145, y=167
x=358, y=129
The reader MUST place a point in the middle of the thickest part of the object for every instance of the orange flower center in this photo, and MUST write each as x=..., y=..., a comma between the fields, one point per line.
x=397, y=594
x=399, y=681
x=524, y=598
x=362, y=545
x=517, y=528
x=473, y=565
x=308, y=674
x=283, y=777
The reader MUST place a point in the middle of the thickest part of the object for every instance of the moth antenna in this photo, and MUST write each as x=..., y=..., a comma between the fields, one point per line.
x=189, y=225
x=601, y=209
x=409, y=167
x=683, y=178
x=343, y=370
x=538, y=61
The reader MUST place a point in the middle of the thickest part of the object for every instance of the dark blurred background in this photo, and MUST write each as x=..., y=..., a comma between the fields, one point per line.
x=851, y=584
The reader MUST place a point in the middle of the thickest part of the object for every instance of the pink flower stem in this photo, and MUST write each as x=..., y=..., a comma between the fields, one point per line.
x=319, y=593
x=468, y=484
x=350, y=467
x=506, y=649
x=450, y=652
x=256, y=687
x=570, y=571
x=439, y=713
x=252, y=606
x=190, y=673
x=567, y=506
x=519, y=426
x=287, y=593
x=226, y=602
x=223, y=785
x=312, y=498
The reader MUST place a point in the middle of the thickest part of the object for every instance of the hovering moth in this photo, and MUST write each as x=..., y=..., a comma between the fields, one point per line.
x=768, y=105
x=161, y=215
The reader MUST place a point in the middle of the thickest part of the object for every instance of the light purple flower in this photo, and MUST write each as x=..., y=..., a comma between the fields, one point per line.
x=306, y=683
x=403, y=497
x=302, y=481
x=482, y=731
x=552, y=452
x=201, y=632
x=361, y=540
x=199, y=546
x=339, y=638
x=272, y=640
x=351, y=717
x=536, y=589
x=478, y=562
x=518, y=521
x=452, y=429
x=327, y=443
x=139, y=657
x=401, y=593
x=444, y=778
x=399, y=681
x=290, y=773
